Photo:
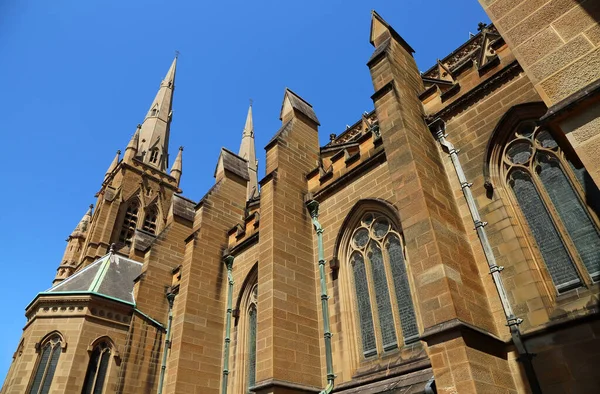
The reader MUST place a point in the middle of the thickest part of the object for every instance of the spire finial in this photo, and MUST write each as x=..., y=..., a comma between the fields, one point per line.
x=176, y=54
x=251, y=102
x=91, y=206
x=112, y=248
x=248, y=152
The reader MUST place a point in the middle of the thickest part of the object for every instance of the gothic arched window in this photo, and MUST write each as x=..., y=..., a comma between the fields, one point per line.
x=150, y=220
x=381, y=286
x=49, y=351
x=97, y=369
x=153, y=155
x=551, y=193
x=251, y=344
x=245, y=335
x=129, y=223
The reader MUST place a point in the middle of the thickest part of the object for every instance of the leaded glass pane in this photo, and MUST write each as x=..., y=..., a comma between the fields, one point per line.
x=546, y=140
x=361, y=237
x=381, y=227
x=102, y=372
x=408, y=321
x=576, y=220
x=558, y=261
x=251, y=347
x=41, y=368
x=51, y=368
x=382, y=296
x=368, y=219
x=364, y=305
x=88, y=383
x=519, y=152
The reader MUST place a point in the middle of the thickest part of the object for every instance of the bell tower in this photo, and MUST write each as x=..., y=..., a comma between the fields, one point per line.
x=135, y=194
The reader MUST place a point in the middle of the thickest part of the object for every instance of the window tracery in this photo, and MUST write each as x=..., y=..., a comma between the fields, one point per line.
x=43, y=374
x=97, y=369
x=551, y=194
x=381, y=287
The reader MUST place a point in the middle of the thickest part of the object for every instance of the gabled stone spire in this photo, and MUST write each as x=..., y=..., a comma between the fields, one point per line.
x=177, y=166
x=248, y=152
x=113, y=165
x=132, y=147
x=84, y=223
x=153, y=144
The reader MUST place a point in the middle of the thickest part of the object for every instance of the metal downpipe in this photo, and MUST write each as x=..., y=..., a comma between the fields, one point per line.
x=228, y=261
x=438, y=127
x=313, y=208
x=163, y=365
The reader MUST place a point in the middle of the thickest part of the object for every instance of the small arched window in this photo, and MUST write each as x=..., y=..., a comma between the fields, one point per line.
x=43, y=374
x=150, y=220
x=154, y=155
x=381, y=286
x=251, y=345
x=129, y=223
x=246, y=330
x=97, y=369
x=551, y=192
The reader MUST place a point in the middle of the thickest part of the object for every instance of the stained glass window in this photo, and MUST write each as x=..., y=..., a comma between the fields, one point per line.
x=564, y=229
x=252, y=346
x=251, y=327
x=48, y=360
x=97, y=369
x=381, y=285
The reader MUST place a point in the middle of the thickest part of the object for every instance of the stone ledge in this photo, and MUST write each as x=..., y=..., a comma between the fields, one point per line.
x=274, y=385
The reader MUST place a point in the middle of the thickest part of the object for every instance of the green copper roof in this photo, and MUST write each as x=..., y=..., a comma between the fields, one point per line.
x=111, y=276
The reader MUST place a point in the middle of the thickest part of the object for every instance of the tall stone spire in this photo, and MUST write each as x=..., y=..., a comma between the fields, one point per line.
x=153, y=145
x=248, y=152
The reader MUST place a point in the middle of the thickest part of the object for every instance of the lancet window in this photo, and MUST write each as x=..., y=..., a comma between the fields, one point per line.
x=129, y=223
x=50, y=351
x=551, y=192
x=150, y=220
x=382, y=293
x=153, y=155
x=97, y=369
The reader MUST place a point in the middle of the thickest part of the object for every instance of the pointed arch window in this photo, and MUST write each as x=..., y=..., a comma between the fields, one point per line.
x=251, y=345
x=129, y=223
x=246, y=334
x=97, y=369
x=551, y=193
x=382, y=293
x=154, y=155
x=150, y=220
x=43, y=374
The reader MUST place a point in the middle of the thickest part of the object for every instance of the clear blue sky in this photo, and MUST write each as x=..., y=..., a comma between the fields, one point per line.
x=78, y=76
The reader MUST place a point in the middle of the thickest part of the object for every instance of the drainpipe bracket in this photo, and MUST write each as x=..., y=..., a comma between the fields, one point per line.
x=479, y=224
x=515, y=321
x=496, y=268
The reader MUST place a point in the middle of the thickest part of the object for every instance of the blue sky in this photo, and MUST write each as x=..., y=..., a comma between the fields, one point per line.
x=78, y=76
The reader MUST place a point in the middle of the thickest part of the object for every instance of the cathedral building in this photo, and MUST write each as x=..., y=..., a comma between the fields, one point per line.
x=448, y=241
